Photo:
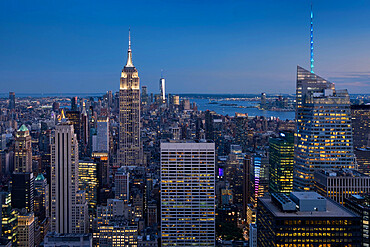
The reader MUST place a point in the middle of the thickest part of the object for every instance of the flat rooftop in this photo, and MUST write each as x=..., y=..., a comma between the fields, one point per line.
x=332, y=210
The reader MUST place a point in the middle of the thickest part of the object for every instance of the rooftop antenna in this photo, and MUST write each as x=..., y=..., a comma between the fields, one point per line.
x=311, y=43
x=161, y=73
x=129, y=38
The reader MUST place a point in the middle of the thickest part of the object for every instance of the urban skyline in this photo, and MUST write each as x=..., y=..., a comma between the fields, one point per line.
x=140, y=166
x=84, y=61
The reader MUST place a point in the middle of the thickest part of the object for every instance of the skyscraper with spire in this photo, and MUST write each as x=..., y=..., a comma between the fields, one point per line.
x=323, y=138
x=130, y=149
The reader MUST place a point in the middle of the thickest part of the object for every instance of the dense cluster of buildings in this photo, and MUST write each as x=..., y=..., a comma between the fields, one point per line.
x=133, y=169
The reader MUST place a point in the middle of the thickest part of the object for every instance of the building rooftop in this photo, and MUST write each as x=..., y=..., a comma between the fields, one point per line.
x=332, y=209
x=341, y=173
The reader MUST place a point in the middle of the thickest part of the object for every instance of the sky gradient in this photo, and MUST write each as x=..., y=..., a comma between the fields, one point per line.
x=230, y=46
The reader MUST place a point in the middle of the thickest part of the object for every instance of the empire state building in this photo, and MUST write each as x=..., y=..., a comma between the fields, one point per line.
x=130, y=149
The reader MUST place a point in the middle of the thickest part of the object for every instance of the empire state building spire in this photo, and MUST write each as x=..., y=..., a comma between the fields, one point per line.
x=129, y=53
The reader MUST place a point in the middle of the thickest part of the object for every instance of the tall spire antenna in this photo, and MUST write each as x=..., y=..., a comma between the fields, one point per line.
x=129, y=53
x=129, y=39
x=161, y=73
x=311, y=43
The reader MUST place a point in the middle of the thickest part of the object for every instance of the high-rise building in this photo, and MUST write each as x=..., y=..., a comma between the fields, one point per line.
x=281, y=159
x=360, y=204
x=74, y=117
x=26, y=230
x=324, y=134
x=41, y=203
x=121, y=183
x=88, y=182
x=23, y=190
x=64, y=180
x=102, y=163
x=259, y=177
x=130, y=150
x=162, y=87
x=74, y=106
x=102, y=129
x=340, y=184
x=263, y=101
x=23, y=150
x=144, y=96
x=11, y=100
x=305, y=219
x=361, y=125
x=188, y=193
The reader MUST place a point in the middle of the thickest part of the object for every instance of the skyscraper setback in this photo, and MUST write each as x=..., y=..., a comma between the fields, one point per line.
x=323, y=138
x=130, y=150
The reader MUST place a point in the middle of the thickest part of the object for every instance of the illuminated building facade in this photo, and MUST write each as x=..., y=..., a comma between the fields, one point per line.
x=74, y=117
x=119, y=233
x=259, y=177
x=88, y=182
x=360, y=204
x=9, y=219
x=102, y=163
x=64, y=181
x=188, y=193
x=281, y=159
x=26, y=230
x=361, y=125
x=130, y=150
x=341, y=184
x=121, y=183
x=305, y=219
x=324, y=133
x=162, y=87
x=23, y=150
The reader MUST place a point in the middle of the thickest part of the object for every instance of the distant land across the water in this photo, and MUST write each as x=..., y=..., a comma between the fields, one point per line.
x=227, y=104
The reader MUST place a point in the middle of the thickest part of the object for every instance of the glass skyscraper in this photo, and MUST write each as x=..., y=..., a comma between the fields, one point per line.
x=324, y=135
x=281, y=159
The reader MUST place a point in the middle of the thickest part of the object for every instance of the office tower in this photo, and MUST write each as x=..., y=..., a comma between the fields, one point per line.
x=246, y=183
x=102, y=163
x=263, y=101
x=360, y=204
x=208, y=118
x=55, y=106
x=23, y=190
x=259, y=177
x=121, y=183
x=54, y=239
x=23, y=150
x=130, y=150
x=102, y=129
x=340, y=184
x=188, y=193
x=9, y=217
x=305, y=219
x=26, y=230
x=41, y=204
x=281, y=153
x=88, y=182
x=84, y=125
x=162, y=87
x=363, y=160
x=64, y=180
x=361, y=125
x=118, y=233
x=82, y=213
x=11, y=100
x=144, y=96
x=74, y=106
x=324, y=134
x=252, y=235
x=74, y=117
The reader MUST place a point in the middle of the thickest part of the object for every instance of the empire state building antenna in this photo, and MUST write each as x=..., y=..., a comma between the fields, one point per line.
x=311, y=42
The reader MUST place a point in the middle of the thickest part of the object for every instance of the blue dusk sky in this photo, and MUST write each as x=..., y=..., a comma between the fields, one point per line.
x=230, y=46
